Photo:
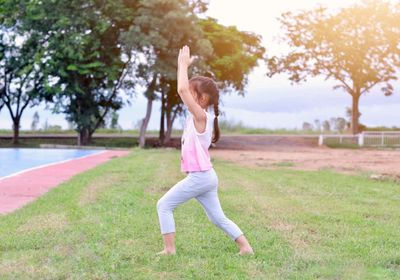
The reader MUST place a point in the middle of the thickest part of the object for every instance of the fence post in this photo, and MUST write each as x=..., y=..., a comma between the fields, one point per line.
x=361, y=139
x=321, y=140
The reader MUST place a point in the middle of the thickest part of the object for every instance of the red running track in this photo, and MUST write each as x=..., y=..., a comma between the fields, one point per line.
x=22, y=188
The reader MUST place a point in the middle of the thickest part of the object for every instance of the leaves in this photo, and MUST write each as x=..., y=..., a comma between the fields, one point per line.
x=354, y=46
x=235, y=53
x=82, y=50
x=358, y=46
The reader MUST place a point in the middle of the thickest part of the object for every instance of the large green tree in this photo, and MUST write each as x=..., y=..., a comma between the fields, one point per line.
x=235, y=54
x=160, y=28
x=84, y=62
x=21, y=80
x=357, y=46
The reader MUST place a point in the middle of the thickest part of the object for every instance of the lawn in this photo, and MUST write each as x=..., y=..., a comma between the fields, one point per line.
x=103, y=224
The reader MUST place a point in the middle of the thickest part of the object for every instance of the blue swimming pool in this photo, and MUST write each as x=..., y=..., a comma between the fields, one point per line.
x=13, y=160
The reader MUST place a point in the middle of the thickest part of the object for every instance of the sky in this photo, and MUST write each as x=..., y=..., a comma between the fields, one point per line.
x=268, y=102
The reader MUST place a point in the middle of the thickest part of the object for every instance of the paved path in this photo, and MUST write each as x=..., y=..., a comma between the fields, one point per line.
x=18, y=190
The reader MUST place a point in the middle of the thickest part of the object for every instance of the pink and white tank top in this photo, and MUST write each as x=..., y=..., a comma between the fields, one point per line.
x=194, y=151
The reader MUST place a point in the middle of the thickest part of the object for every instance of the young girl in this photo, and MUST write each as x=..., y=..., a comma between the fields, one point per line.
x=201, y=181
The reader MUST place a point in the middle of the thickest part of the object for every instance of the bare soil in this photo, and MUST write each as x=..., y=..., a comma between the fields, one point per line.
x=303, y=153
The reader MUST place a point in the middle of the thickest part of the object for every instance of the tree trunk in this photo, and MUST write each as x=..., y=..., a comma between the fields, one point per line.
x=169, y=127
x=83, y=137
x=355, y=114
x=89, y=138
x=145, y=123
x=16, y=122
x=162, y=129
x=170, y=123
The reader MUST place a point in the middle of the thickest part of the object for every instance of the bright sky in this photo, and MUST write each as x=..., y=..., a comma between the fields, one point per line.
x=269, y=102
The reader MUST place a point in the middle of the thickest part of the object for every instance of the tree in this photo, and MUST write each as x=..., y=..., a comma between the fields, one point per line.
x=158, y=45
x=307, y=126
x=114, y=120
x=358, y=47
x=349, y=115
x=21, y=78
x=317, y=124
x=84, y=63
x=340, y=124
x=326, y=126
x=235, y=54
x=35, y=121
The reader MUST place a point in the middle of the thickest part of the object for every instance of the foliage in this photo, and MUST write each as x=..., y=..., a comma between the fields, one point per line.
x=235, y=53
x=223, y=52
x=21, y=79
x=83, y=67
x=158, y=45
x=358, y=47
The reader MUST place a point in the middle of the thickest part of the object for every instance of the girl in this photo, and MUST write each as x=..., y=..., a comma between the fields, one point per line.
x=201, y=181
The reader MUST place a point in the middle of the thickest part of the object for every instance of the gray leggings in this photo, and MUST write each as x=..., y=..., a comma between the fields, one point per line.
x=202, y=185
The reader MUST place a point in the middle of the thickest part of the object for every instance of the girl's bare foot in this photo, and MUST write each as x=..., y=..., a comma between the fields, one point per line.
x=169, y=244
x=244, y=246
x=246, y=251
x=166, y=252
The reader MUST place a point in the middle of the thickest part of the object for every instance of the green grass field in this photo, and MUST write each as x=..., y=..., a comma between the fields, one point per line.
x=103, y=224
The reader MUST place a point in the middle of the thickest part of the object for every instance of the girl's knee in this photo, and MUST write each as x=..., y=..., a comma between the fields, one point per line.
x=164, y=205
x=160, y=204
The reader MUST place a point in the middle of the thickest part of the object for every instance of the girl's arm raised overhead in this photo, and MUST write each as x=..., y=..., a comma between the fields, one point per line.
x=184, y=61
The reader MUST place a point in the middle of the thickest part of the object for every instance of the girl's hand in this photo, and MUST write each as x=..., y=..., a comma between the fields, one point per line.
x=184, y=58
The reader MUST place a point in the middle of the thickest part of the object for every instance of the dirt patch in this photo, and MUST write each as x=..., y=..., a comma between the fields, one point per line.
x=259, y=142
x=42, y=222
x=157, y=189
x=8, y=267
x=304, y=154
x=64, y=250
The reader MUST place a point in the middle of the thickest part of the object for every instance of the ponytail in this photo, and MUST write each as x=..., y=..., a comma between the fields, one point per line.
x=216, y=127
x=205, y=85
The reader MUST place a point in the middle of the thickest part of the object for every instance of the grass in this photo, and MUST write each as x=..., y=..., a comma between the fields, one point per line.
x=102, y=224
x=283, y=164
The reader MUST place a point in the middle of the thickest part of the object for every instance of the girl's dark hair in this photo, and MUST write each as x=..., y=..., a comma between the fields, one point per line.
x=204, y=85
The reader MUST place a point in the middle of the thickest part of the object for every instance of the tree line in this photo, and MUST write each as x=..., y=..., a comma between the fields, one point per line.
x=88, y=58
x=83, y=57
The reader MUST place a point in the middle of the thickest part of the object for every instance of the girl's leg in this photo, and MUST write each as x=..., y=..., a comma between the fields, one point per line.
x=212, y=206
x=178, y=194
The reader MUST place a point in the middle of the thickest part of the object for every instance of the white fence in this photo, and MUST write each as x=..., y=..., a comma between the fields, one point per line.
x=366, y=138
